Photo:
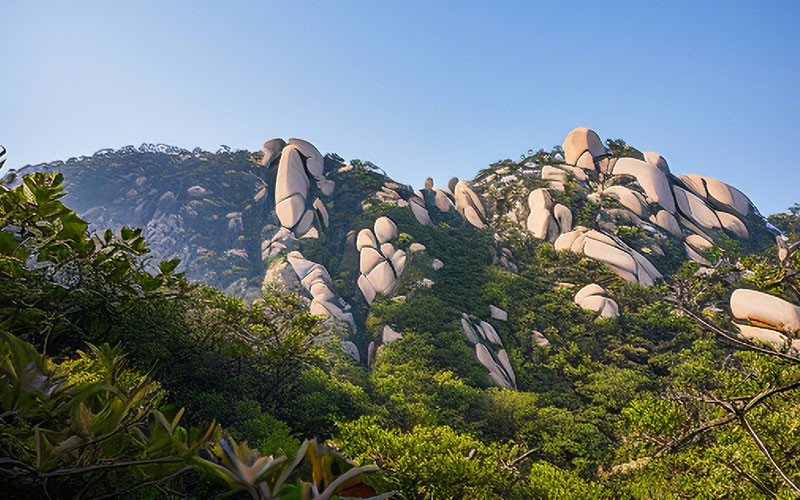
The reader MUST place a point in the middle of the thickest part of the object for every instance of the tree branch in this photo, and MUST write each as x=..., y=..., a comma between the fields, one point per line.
x=765, y=451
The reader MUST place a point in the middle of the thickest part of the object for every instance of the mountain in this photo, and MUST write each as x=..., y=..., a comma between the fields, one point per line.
x=579, y=323
x=346, y=236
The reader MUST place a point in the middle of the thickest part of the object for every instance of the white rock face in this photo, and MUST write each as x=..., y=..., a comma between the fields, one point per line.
x=272, y=150
x=540, y=221
x=385, y=230
x=626, y=262
x=578, y=173
x=488, y=332
x=667, y=221
x=297, y=162
x=718, y=194
x=656, y=159
x=389, y=335
x=652, y=180
x=765, y=310
x=698, y=242
x=563, y=217
x=420, y=213
x=469, y=205
x=550, y=173
x=692, y=254
x=380, y=263
x=595, y=298
x=291, y=188
x=442, y=200
x=579, y=141
x=694, y=208
x=497, y=313
x=767, y=318
x=314, y=160
x=733, y=224
x=629, y=199
x=319, y=206
x=489, y=351
x=196, y=191
x=547, y=222
x=540, y=339
x=779, y=340
x=316, y=281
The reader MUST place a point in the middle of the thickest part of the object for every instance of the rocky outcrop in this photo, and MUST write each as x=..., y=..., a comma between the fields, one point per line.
x=629, y=199
x=650, y=197
x=390, y=335
x=546, y=220
x=652, y=180
x=594, y=297
x=315, y=282
x=582, y=147
x=626, y=262
x=351, y=349
x=766, y=318
x=489, y=351
x=539, y=339
x=298, y=162
x=497, y=313
x=380, y=262
x=718, y=194
x=695, y=244
x=469, y=204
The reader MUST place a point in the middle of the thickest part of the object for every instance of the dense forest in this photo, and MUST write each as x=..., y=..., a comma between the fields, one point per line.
x=184, y=373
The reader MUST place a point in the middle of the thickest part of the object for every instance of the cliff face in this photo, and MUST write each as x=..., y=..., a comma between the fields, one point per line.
x=362, y=248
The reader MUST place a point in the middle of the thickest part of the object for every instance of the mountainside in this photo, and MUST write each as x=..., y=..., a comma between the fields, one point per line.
x=581, y=323
x=345, y=235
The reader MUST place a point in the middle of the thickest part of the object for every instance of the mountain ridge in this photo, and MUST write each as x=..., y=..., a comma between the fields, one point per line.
x=343, y=234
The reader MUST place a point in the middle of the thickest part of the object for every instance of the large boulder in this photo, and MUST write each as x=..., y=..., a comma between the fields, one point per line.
x=695, y=209
x=380, y=262
x=594, y=297
x=272, y=150
x=626, y=262
x=653, y=181
x=469, y=205
x=291, y=188
x=314, y=160
x=656, y=159
x=546, y=221
x=718, y=194
x=629, y=199
x=765, y=310
x=581, y=147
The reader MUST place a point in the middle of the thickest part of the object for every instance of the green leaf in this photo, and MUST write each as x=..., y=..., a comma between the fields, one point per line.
x=168, y=266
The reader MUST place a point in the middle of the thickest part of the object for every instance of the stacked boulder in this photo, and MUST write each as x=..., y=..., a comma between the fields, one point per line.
x=380, y=262
x=626, y=262
x=489, y=351
x=650, y=197
x=766, y=318
x=694, y=244
x=458, y=195
x=418, y=207
x=468, y=203
x=583, y=148
x=298, y=162
x=594, y=297
x=547, y=221
x=316, y=281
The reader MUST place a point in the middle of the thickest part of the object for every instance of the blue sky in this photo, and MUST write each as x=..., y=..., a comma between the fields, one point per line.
x=420, y=88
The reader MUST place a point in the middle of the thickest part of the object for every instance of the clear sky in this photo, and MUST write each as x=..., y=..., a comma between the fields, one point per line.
x=420, y=88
